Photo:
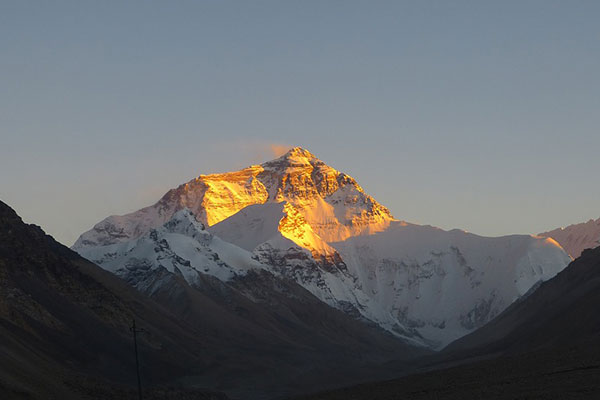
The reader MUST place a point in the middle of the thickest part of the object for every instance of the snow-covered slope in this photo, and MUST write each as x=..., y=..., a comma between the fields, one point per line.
x=181, y=246
x=303, y=220
x=577, y=237
x=444, y=284
x=420, y=282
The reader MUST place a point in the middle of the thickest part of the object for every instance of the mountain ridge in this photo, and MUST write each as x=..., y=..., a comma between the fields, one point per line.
x=575, y=238
x=308, y=222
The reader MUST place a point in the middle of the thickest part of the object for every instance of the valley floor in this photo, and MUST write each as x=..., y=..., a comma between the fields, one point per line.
x=549, y=374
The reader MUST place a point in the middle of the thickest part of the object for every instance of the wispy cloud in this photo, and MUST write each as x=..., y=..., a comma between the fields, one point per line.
x=278, y=150
x=250, y=151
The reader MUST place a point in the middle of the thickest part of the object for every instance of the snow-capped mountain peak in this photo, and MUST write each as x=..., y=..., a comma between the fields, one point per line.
x=302, y=219
x=331, y=203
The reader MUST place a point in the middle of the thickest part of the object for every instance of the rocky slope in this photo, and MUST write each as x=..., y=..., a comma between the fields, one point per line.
x=303, y=220
x=577, y=237
x=65, y=323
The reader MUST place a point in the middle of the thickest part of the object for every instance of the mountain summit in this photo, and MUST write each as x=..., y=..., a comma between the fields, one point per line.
x=321, y=204
x=302, y=220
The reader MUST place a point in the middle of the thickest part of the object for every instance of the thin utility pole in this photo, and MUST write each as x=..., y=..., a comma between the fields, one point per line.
x=137, y=362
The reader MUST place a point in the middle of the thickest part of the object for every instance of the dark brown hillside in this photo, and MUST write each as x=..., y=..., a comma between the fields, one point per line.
x=63, y=319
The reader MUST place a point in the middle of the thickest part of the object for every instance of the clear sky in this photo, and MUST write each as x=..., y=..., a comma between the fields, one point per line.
x=480, y=115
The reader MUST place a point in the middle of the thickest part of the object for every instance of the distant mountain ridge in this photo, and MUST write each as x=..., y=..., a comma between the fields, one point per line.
x=577, y=237
x=303, y=220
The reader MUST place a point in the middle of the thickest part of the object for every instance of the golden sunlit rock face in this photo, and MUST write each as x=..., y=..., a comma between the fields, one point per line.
x=296, y=228
x=323, y=205
x=226, y=194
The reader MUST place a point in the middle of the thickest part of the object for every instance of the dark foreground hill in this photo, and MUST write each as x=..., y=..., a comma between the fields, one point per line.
x=546, y=346
x=64, y=324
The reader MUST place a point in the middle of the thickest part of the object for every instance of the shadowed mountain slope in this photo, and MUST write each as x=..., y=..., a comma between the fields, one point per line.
x=65, y=328
x=545, y=346
x=561, y=312
x=64, y=323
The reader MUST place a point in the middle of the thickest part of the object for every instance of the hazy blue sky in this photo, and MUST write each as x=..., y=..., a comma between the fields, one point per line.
x=481, y=115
